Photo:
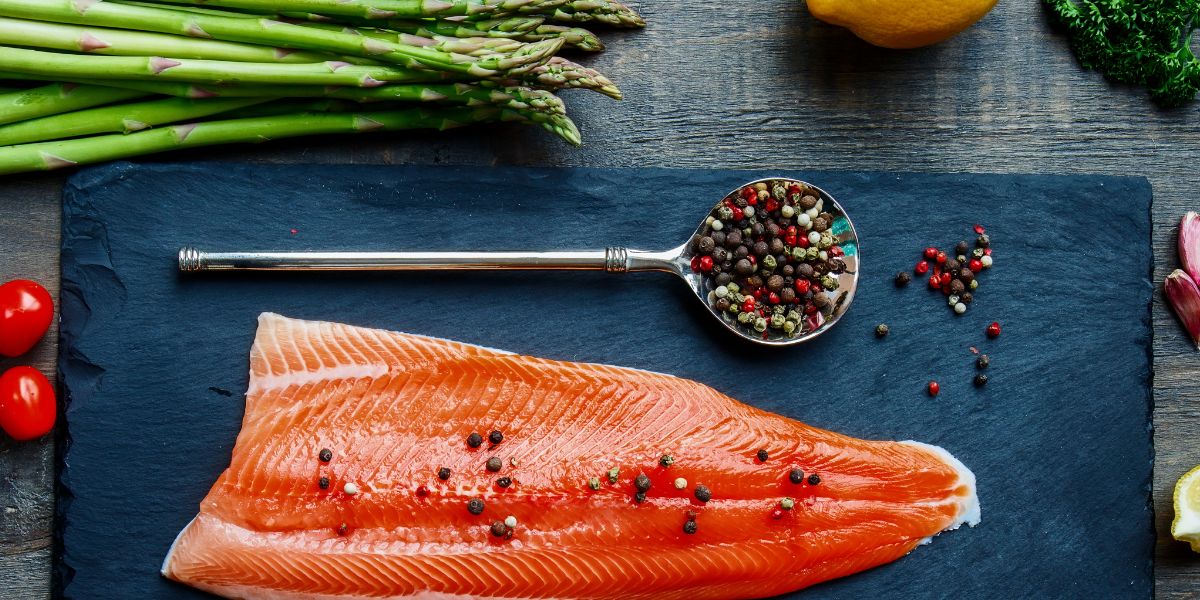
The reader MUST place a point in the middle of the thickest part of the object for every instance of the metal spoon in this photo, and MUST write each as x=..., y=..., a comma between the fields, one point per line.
x=677, y=260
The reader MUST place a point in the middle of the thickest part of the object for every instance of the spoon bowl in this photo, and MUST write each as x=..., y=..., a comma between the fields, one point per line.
x=680, y=260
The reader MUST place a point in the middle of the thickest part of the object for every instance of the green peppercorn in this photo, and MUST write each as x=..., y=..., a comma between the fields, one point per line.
x=826, y=241
x=733, y=287
x=613, y=473
x=829, y=282
x=789, y=327
x=594, y=483
x=787, y=504
x=769, y=263
x=977, y=253
x=642, y=482
x=881, y=330
x=777, y=321
x=475, y=506
x=813, y=253
x=666, y=460
x=323, y=483
x=794, y=315
x=760, y=324
x=983, y=361
x=494, y=464
x=689, y=527
x=974, y=285
x=796, y=476
x=325, y=455
x=443, y=473
x=474, y=440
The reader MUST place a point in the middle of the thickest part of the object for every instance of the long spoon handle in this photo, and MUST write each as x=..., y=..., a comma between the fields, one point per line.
x=613, y=260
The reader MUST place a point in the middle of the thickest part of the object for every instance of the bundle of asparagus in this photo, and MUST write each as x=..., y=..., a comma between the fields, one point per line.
x=118, y=78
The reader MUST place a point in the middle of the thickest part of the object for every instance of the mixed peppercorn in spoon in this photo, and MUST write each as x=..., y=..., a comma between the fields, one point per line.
x=773, y=254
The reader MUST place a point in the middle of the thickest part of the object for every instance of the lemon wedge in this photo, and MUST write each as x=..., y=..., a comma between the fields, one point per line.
x=1186, y=526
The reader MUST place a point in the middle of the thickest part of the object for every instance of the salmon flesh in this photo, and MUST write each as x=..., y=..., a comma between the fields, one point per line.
x=559, y=513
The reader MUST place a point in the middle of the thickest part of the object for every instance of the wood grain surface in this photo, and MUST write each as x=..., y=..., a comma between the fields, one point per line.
x=748, y=84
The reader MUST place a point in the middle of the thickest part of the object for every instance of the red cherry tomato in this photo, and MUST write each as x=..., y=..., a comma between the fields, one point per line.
x=27, y=409
x=26, y=310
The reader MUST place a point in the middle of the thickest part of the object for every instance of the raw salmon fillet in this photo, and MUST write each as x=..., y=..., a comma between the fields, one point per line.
x=395, y=408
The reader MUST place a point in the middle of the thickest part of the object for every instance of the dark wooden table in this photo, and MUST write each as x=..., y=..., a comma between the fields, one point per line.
x=760, y=84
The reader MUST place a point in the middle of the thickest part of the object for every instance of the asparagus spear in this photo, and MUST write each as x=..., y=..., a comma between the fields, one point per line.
x=271, y=33
x=386, y=9
x=120, y=42
x=574, y=37
x=56, y=99
x=609, y=12
x=560, y=73
x=87, y=150
x=118, y=118
x=73, y=66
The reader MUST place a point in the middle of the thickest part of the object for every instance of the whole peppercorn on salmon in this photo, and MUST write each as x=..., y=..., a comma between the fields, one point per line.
x=581, y=444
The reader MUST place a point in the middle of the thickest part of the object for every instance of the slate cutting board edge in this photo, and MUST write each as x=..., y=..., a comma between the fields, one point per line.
x=93, y=266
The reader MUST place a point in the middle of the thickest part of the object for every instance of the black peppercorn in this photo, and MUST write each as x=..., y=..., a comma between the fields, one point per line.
x=325, y=455
x=966, y=298
x=719, y=255
x=983, y=241
x=960, y=249
x=776, y=246
x=703, y=494
x=788, y=270
x=903, y=278
x=775, y=283
x=504, y=482
x=743, y=266
x=343, y=529
x=724, y=279
x=754, y=282
x=814, y=479
x=705, y=245
x=761, y=248
x=965, y=275
x=756, y=229
x=444, y=473
x=881, y=330
x=820, y=224
x=641, y=482
x=733, y=239
x=718, y=238
x=323, y=483
x=741, y=252
x=808, y=202
x=689, y=527
x=475, y=506
x=951, y=265
x=820, y=300
x=805, y=270
x=762, y=455
x=499, y=529
x=956, y=286
x=980, y=380
x=639, y=497
x=772, y=229
x=494, y=464
x=796, y=476
x=722, y=304
x=474, y=440
x=835, y=264
x=787, y=294
x=983, y=361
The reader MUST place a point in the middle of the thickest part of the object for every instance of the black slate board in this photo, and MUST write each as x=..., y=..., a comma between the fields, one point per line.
x=155, y=365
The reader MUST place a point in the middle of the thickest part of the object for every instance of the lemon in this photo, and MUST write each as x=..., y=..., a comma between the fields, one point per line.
x=901, y=23
x=1186, y=526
